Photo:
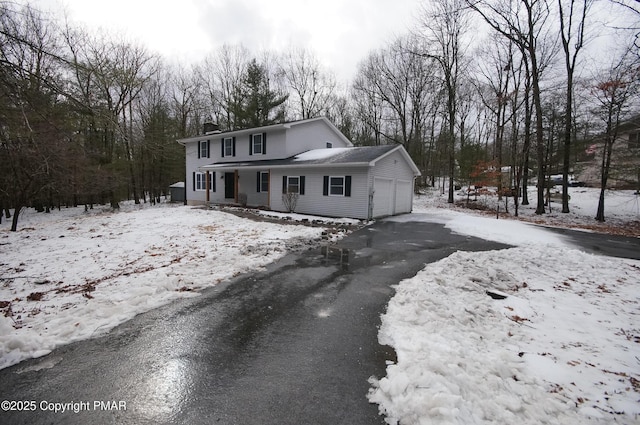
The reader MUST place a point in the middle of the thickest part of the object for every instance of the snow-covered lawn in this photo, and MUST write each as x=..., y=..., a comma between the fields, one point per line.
x=71, y=275
x=622, y=209
x=563, y=347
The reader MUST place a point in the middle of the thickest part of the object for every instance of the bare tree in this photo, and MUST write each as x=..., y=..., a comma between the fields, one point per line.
x=524, y=23
x=222, y=74
x=368, y=104
x=572, y=23
x=613, y=93
x=312, y=87
x=497, y=75
x=444, y=26
x=187, y=100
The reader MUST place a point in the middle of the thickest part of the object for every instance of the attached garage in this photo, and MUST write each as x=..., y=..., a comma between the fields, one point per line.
x=404, y=197
x=391, y=197
x=383, y=202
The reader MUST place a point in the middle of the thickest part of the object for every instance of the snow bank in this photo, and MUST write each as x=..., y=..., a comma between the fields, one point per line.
x=503, y=231
x=71, y=275
x=562, y=348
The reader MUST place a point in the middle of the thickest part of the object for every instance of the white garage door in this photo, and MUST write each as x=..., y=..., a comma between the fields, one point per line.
x=404, y=197
x=383, y=202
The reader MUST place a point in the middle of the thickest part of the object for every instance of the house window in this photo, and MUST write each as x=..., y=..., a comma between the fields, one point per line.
x=203, y=149
x=228, y=146
x=200, y=181
x=257, y=145
x=263, y=181
x=293, y=184
x=336, y=186
x=329, y=145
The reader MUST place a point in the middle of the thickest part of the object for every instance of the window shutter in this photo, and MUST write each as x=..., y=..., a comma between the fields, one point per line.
x=258, y=182
x=208, y=148
x=194, y=181
x=222, y=146
x=284, y=184
x=198, y=146
x=325, y=186
x=301, y=185
x=264, y=143
x=347, y=186
x=250, y=144
x=234, y=146
x=213, y=181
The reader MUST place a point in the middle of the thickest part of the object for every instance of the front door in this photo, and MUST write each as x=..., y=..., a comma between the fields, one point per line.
x=229, y=185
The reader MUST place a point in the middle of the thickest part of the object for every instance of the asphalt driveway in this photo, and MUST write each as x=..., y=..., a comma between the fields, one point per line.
x=293, y=344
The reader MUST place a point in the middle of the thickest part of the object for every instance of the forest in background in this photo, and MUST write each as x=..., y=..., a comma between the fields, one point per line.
x=93, y=118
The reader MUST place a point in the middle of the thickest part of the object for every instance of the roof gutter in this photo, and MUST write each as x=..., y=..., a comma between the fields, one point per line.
x=213, y=167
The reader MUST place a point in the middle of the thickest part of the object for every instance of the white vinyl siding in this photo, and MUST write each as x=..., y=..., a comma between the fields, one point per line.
x=314, y=202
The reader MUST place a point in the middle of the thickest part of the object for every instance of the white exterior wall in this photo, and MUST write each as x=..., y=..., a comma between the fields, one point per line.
x=248, y=185
x=392, y=170
x=274, y=146
x=280, y=143
x=192, y=163
x=311, y=135
x=314, y=202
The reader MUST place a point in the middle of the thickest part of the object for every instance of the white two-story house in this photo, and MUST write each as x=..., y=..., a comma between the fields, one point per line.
x=311, y=160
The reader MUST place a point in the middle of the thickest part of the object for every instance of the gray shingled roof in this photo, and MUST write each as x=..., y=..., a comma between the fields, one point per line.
x=317, y=157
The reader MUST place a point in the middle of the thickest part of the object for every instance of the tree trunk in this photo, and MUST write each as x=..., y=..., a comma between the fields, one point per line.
x=567, y=144
x=16, y=214
x=539, y=131
x=605, y=165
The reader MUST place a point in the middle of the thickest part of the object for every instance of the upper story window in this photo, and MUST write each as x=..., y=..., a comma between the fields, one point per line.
x=258, y=144
x=229, y=146
x=329, y=145
x=203, y=149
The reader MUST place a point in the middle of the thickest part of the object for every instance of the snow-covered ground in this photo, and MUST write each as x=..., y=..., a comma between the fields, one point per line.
x=563, y=347
x=71, y=275
x=622, y=208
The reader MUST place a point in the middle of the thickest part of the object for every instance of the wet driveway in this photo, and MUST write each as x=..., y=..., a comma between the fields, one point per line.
x=293, y=344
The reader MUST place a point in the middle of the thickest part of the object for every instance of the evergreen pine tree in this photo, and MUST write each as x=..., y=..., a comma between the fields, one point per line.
x=258, y=104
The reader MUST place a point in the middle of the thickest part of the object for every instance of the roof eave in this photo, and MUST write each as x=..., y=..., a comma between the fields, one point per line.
x=213, y=167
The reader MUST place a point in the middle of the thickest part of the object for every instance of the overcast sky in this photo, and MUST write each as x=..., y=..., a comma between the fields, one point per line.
x=341, y=32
